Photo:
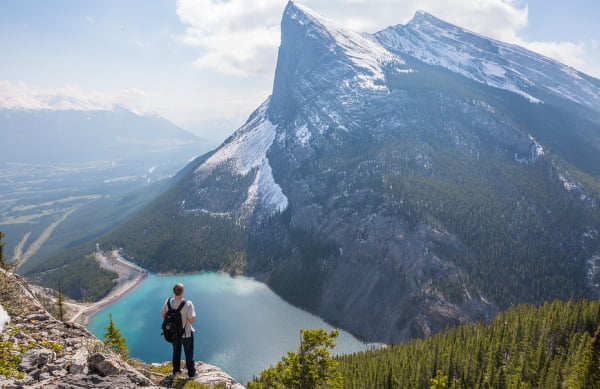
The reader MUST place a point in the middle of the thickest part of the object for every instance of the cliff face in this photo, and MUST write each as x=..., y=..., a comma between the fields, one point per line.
x=38, y=351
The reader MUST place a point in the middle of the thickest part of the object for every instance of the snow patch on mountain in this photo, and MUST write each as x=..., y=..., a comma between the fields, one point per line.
x=536, y=150
x=492, y=70
x=248, y=146
x=567, y=183
x=265, y=192
x=303, y=135
x=4, y=318
x=247, y=150
x=592, y=273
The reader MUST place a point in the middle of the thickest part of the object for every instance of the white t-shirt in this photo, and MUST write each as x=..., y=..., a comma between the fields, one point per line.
x=187, y=312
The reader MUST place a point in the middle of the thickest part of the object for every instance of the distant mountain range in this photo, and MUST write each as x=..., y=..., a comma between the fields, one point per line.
x=65, y=136
x=395, y=183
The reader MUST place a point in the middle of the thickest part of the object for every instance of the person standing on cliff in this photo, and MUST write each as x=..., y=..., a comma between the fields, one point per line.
x=188, y=315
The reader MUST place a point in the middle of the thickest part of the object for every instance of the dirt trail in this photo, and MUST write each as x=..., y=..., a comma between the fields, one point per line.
x=19, y=249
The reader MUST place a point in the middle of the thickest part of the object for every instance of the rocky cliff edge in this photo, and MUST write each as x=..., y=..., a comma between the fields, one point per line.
x=38, y=351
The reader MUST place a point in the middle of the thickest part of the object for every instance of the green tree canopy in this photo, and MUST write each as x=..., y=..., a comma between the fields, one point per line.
x=113, y=338
x=3, y=263
x=311, y=367
x=60, y=303
x=587, y=373
x=554, y=346
x=439, y=381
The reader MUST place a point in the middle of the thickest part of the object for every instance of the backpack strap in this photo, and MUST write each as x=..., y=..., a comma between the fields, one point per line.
x=179, y=308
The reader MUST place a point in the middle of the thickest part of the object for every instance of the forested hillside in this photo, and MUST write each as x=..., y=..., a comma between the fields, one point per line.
x=554, y=346
x=76, y=273
x=163, y=237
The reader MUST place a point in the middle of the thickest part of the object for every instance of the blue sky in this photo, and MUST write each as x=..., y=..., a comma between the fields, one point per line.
x=206, y=64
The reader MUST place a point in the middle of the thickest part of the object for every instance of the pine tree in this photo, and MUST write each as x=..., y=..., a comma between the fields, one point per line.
x=3, y=263
x=439, y=381
x=113, y=338
x=311, y=367
x=587, y=374
x=60, y=304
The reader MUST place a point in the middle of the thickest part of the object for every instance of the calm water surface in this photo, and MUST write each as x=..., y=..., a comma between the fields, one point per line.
x=241, y=325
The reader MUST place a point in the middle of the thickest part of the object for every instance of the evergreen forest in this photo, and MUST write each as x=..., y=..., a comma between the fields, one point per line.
x=554, y=346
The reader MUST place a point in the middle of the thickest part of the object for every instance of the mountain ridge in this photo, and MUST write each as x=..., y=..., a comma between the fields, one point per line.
x=486, y=60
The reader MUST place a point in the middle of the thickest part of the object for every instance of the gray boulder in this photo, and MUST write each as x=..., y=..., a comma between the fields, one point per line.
x=104, y=365
x=36, y=359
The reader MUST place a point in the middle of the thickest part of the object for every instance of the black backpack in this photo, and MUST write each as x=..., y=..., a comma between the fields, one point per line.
x=172, y=325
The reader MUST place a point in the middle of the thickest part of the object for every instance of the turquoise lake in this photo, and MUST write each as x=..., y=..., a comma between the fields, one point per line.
x=241, y=325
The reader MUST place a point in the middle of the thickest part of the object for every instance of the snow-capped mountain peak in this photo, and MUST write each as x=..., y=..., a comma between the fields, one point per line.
x=309, y=42
x=423, y=19
x=489, y=61
x=362, y=50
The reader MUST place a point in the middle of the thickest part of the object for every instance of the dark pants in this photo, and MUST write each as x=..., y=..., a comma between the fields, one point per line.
x=188, y=349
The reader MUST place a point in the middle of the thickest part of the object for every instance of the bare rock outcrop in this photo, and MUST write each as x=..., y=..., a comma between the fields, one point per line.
x=210, y=376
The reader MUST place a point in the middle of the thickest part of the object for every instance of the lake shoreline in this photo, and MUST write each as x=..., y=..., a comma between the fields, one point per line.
x=131, y=276
x=242, y=326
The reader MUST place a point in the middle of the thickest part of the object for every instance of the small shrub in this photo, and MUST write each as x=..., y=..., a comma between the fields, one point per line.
x=54, y=346
x=10, y=357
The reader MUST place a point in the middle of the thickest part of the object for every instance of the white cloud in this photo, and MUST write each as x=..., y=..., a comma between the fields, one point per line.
x=236, y=37
x=569, y=53
x=240, y=37
x=19, y=95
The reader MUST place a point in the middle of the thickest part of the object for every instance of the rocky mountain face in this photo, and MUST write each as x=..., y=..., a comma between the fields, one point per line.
x=39, y=351
x=396, y=183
